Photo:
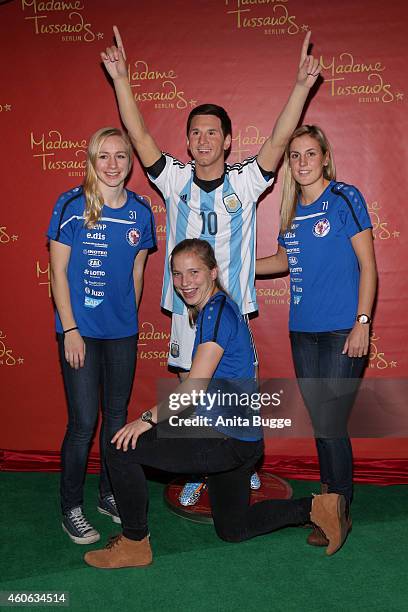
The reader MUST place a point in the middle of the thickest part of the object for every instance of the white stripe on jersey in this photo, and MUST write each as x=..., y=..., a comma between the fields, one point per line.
x=319, y=214
x=224, y=217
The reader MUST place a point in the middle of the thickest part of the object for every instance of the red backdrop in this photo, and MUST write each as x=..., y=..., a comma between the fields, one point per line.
x=243, y=55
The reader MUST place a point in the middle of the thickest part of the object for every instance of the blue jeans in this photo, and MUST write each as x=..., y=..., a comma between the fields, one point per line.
x=329, y=381
x=107, y=373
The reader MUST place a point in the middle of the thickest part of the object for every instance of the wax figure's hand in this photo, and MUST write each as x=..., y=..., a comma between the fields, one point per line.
x=130, y=433
x=114, y=58
x=309, y=67
x=74, y=347
x=358, y=341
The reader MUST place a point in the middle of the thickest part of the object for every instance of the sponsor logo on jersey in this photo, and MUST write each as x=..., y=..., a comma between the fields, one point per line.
x=290, y=235
x=321, y=228
x=91, y=302
x=94, y=263
x=296, y=299
x=232, y=203
x=294, y=250
x=183, y=198
x=133, y=236
x=292, y=260
x=297, y=270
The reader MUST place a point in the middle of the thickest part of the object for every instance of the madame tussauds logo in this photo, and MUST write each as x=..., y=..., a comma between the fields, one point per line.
x=148, y=334
x=272, y=15
x=347, y=76
x=157, y=85
x=53, y=150
x=54, y=17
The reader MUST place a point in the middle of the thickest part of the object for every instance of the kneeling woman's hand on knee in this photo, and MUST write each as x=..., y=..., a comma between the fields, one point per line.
x=130, y=433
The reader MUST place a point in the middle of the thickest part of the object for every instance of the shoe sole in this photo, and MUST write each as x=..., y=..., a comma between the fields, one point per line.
x=115, y=519
x=86, y=540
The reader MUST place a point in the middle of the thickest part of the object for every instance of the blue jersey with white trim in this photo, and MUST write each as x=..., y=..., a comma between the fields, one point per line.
x=100, y=268
x=324, y=270
x=220, y=321
x=225, y=217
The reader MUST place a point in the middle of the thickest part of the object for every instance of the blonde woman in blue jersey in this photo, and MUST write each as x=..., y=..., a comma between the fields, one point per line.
x=99, y=236
x=222, y=359
x=207, y=198
x=326, y=243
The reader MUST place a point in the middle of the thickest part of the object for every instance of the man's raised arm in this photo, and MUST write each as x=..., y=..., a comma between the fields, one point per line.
x=274, y=147
x=114, y=61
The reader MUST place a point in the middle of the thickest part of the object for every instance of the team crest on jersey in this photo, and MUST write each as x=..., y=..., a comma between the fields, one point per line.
x=232, y=203
x=133, y=236
x=321, y=228
x=174, y=349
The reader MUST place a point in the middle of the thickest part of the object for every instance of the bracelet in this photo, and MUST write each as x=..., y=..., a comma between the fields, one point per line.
x=68, y=330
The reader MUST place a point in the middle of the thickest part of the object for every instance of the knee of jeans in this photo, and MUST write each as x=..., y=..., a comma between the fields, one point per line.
x=80, y=433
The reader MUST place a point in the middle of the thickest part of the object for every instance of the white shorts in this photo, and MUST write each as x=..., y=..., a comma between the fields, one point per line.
x=182, y=342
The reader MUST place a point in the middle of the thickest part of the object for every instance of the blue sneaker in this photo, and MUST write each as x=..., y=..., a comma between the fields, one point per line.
x=107, y=505
x=190, y=493
x=255, y=482
x=78, y=528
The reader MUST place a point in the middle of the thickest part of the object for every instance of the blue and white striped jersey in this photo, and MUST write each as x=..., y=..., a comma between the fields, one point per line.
x=225, y=217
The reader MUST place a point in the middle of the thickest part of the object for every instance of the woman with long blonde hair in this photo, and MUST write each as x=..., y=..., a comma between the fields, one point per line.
x=99, y=236
x=326, y=243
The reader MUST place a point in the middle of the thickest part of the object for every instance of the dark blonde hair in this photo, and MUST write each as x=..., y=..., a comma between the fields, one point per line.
x=290, y=188
x=205, y=252
x=93, y=198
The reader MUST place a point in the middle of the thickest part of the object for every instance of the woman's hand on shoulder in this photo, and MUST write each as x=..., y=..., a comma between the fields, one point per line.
x=358, y=341
x=75, y=349
x=130, y=434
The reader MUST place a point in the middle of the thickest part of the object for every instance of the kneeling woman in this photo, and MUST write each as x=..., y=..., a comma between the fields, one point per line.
x=222, y=350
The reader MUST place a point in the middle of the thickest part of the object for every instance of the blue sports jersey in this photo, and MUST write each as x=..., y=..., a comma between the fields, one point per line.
x=221, y=322
x=324, y=270
x=100, y=269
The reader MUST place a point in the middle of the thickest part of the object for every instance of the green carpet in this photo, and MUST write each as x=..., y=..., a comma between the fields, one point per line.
x=194, y=570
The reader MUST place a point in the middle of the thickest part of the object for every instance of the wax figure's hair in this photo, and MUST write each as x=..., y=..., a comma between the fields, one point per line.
x=205, y=252
x=290, y=188
x=212, y=109
x=93, y=198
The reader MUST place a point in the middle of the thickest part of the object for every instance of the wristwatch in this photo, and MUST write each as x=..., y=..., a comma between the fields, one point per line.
x=146, y=417
x=363, y=318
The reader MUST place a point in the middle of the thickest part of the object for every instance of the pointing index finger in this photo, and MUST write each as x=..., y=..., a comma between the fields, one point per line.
x=305, y=47
x=118, y=40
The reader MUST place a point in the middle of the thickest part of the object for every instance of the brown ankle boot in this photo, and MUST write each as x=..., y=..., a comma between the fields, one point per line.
x=317, y=537
x=121, y=552
x=328, y=513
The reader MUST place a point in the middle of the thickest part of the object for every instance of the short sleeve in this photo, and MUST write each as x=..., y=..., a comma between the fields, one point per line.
x=248, y=181
x=353, y=211
x=218, y=323
x=173, y=177
x=149, y=233
x=65, y=216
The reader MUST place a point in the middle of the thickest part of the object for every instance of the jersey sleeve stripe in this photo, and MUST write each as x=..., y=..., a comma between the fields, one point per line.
x=349, y=204
x=217, y=323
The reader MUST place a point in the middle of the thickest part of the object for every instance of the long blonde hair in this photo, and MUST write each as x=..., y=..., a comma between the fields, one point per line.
x=205, y=252
x=290, y=188
x=93, y=198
